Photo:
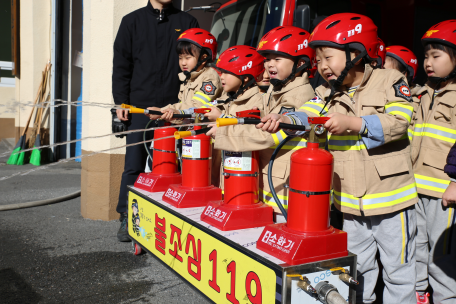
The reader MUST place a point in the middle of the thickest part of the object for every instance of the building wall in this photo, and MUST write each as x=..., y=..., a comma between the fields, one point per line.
x=100, y=179
x=35, y=22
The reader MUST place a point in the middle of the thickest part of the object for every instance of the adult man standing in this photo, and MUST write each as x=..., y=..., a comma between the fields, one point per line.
x=145, y=69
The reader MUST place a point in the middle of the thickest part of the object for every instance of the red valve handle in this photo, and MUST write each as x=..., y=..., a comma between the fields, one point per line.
x=248, y=114
x=317, y=120
x=202, y=110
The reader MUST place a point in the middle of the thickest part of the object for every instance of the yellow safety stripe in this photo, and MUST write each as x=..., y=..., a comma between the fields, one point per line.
x=431, y=183
x=346, y=200
x=269, y=199
x=345, y=142
x=294, y=144
x=377, y=200
x=203, y=98
x=435, y=131
x=396, y=108
x=403, y=239
x=446, y=241
x=315, y=107
x=390, y=198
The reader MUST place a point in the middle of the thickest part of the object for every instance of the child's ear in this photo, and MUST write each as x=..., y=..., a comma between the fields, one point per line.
x=301, y=62
x=246, y=78
x=355, y=54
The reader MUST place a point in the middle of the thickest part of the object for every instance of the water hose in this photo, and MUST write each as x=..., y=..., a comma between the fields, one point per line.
x=271, y=185
x=41, y=203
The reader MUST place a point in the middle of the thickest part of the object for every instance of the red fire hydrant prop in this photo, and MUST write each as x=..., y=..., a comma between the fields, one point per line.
x=307, y=236
x=164, y=164
x=241, y=207
x=196, y=189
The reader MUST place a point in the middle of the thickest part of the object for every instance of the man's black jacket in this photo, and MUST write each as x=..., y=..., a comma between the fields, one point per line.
x=146, y=64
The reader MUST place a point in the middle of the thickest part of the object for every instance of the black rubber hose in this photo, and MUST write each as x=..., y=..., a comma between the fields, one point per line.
x=174, y=115
x=41, y=203
x=144, y=139
x=271, y=185
x=255, y=121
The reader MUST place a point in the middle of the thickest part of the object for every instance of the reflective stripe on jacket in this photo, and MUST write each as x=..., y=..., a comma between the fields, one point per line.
x=434, y=134
x=372, y=172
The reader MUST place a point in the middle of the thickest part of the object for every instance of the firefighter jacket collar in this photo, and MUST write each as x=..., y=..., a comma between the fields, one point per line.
x=166, y=10
x=193, y=75
x=298, y=81
x=247, y=94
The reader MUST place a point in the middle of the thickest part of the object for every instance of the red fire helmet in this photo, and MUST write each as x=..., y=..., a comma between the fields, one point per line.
x=241, y=60
x=381, y=53
x=201, y=38
x=287, y=40
x=405, y=57
x=443, y=32
x=358, y=31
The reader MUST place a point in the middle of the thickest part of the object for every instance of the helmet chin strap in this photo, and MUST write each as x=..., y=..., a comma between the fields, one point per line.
x=198, y=64
x=436, y=81
x=349, y=64
x=276, y=83
x=242, y=88
x=263, y=87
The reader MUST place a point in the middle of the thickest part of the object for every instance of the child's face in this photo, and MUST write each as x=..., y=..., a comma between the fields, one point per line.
x=331, y=62
x=265, y=80
x=279, y=67
x=187, y=62
x=230, y=82
x=437, y=63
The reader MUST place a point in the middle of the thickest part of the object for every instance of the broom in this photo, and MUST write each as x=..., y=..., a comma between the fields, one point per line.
x=16, y=157
x=35, y=158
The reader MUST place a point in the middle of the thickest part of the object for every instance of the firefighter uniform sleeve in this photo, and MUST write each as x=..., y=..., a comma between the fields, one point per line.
x=391, y=123
x=208, y=91
x=312, y=108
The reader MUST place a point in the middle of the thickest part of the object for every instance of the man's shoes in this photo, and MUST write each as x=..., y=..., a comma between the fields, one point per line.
x=122, y=234
x=422, y=299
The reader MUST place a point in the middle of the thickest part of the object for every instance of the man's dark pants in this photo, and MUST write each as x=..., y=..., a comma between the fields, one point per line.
x=135, y=157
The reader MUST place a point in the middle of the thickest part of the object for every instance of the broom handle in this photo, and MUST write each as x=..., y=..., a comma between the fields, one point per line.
x=44, y=95
x=31, y=113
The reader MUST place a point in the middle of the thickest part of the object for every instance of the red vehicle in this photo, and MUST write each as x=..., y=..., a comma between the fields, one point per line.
x=399, y=22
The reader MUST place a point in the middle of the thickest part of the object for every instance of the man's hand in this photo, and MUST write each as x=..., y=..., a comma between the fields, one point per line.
x=153, y=116
x=122, y=114
x=213, y=131
x=213, y=114
x=339, y=123
x=449, y=197
x=168, y=114
x=270, y=122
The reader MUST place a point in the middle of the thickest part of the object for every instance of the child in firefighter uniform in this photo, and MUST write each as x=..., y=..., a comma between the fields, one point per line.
x=373, y=183
x=201, y=84
x=288, y=59
x=404, y=60
x=434, y=135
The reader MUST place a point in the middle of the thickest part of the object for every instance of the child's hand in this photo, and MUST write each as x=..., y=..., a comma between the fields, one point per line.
x=339, y=123
x=270, y=123
x=212, y=132
x=449, y=197
x=213, y=114
x=153, y=116
x=168, y=114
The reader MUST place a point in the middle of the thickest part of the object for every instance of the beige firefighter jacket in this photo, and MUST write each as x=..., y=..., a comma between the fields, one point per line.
x=199, y=91
x=434, y=134
x=248, y=138
x=373, y=172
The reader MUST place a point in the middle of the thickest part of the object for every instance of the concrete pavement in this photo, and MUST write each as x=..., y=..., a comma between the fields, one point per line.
x=50, y=254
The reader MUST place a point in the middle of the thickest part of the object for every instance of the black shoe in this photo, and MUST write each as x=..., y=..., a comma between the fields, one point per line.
x=122, y=234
